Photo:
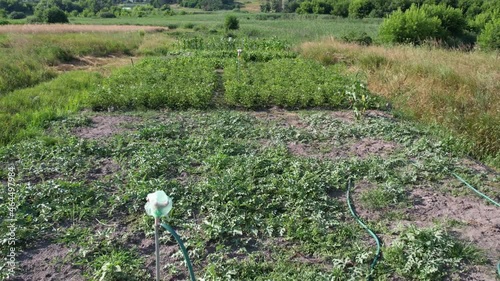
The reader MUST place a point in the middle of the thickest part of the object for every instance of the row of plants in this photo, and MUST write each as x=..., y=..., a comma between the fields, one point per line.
x=193, y=82
x=293, y=83
x=155, y=83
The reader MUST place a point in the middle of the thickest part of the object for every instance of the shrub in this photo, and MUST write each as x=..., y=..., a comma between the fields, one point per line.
x=56, y=15
x=33, y=19
x=107, y=15
x=17, y=15
x=4, y=22
x=413, y=26
x=489, y=39
x=361, y=38
x=231, y=23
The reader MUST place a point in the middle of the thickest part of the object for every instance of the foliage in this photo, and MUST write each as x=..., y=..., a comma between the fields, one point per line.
x=360, y=8
x=17, y=15
x=158, y=83
x=231, y=23
x=489, y=39
x=107, y=15
x=425, y=254
x=361, y=38
x=289, y=83
x=51, y=14
x=453, y=23
x=412, y=26
x=25, y=112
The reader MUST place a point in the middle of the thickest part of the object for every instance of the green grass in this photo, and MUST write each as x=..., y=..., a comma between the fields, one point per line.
x=25, y=113
x=27, y=57
x=295, y=30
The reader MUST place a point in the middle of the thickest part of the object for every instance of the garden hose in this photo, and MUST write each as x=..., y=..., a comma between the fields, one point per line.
x=476, y=191
x=353, y=213
x=183, y=249
x=485, y=197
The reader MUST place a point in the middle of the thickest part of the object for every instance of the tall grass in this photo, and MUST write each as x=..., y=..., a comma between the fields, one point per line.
x=26, y=57
x=454, y=89
x=24, y=113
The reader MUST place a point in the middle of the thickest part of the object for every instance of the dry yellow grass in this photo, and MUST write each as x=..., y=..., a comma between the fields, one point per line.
x=252, y=7
x=68, y=28
x=459, y=90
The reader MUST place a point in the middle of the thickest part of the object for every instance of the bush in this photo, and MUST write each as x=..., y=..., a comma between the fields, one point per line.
x=4, y=22
x=231, y=23
x=17, y=15
x=33, y=19
x=107, y=15
x=56, y=15
x=413, y=26
x=361, y=38
x=489, y=39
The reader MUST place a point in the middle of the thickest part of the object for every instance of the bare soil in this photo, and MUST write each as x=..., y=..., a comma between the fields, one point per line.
x=104, y=126
x=46, y=262
x=91, y=63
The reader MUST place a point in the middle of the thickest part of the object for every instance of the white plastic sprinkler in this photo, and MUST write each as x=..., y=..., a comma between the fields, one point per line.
x=159, y=205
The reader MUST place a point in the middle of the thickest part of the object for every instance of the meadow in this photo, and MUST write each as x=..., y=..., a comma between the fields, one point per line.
x=256, y=151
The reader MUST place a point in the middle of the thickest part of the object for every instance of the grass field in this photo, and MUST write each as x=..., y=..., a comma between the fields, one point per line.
x=255, y=151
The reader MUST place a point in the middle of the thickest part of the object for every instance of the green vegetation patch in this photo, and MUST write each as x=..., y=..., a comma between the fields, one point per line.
x=292, y=84
x=158, y=83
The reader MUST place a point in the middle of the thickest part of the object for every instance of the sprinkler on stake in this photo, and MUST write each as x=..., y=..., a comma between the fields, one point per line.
x=238, y=62
x=159, y=205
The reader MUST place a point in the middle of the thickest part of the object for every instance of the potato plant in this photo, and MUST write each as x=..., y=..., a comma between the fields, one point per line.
x=158, y=83
x=290, y=83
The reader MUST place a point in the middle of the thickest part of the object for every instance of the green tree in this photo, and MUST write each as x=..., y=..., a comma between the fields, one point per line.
x=489, y=39
x=360, y=8
x=56, y=15
x=412, y=26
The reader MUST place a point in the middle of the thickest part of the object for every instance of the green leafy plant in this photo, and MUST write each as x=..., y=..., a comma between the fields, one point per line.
x=231, y=23
x=427, y=254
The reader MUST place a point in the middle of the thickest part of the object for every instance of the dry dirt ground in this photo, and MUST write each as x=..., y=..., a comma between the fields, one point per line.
x=90, y=63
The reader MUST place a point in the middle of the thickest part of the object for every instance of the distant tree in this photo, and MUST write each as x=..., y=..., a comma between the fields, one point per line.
x=17, y=15
x=340, y=8
x=360, y=8
x=56, y=15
